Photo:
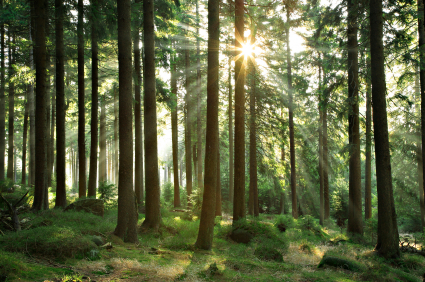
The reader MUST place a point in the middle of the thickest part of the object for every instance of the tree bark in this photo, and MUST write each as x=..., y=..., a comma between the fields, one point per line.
x=39, y=13
x=291, y=122
x=153, y=213
x=239, y=178
x=11, y=106
x=188, y=122
x=95, y=106
x=355, y=224
x=218, y=211
x=102, y=141
x=368, y=165
x=81, y=104
x=387, y=245
x=322, y=198
x=116, y=141
x=138, y=165
x=206, y=226
x=60, y=102
x=2, y=104
x=24, y=143
x=127, y=214
x=174, y=131
x=230, y=117
x=198, y=90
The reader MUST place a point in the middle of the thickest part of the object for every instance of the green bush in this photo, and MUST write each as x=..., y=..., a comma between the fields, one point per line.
x=108, y=193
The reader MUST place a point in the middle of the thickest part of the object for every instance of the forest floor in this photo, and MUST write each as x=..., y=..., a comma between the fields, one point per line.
x=61, y=246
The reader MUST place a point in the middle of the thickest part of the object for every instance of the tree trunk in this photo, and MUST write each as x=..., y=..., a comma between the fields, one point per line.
x=127, y=214
x=322, y=199
x=116, y=141
x=198, y=90
x=355, y=224
x=95, y=107
x=291, y=122
x=24, y=144
x=39, y=13
x=368, y=165
x=325, y=158
x=81, y=104
x=218, y=211
x=11, y=106
x=60, y=102
x=387, y=245
x=206, y=226
x=153, y=213
x=230, y=117
x=188, y=133
x=2, y=104
x=239, y=178
x=138, y=165
x=48, y=93
x=102, y=141
x=174, y=131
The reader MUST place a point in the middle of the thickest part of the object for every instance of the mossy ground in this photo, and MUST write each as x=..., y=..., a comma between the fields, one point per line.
x=59, y=247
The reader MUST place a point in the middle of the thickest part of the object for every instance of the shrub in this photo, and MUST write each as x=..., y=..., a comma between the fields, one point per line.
x=108, y=193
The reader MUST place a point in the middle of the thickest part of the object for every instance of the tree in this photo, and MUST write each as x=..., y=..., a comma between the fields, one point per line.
x=239, y=178
x=355, y=224
x=2, y=103
x=81, y=104
x=61, y=111
x=174, y=131
x=138, y=178
x=39, y=13
x=188, y=125
x=95, y=106
x=198, y=104
x=153, y=213
x=368, y=165
x=11, y=105
x=230, y=117
x=127, y=214
x=387, y=244
x=206, y=225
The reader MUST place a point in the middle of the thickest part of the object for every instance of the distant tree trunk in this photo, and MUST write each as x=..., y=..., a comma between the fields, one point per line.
x=387, y=245
x=291, y=122
x=239, y=186
x=282, y=193
x=11, y=105
x=48, y=93
x=206, y=225
x=24, y=143
x=95, y=106
x=39, y=13
x=188, y=133
x=174, y=131
x=355, y=224
x=81, y=104
x=116, y=141
x=421, y=31
x=325, y=158
x=253, y=178
x=2, y=104
x=322, y=199
x=198, y=90
x=230, y=116
x=368, y=165
x=153, y=212
x=102, y=141
x=60, y=102
x=195, y=165
x=218, y=211
x=52, y=139
x=138, y=178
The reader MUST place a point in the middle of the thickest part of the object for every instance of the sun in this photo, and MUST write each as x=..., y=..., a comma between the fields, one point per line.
x=248, y=49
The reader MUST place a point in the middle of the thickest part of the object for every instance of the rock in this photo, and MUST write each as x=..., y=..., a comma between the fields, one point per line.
x=241, y=236
x=97, y=240
x=94, y=206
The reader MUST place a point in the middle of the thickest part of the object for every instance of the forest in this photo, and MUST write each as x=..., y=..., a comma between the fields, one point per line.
x=214, y=140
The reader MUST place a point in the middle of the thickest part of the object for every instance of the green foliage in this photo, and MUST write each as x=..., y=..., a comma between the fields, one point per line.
x=185, y=233
x=108, y=193
x=168, y=193
x=286, y=220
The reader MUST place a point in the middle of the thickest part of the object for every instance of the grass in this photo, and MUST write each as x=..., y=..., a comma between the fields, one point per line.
x=58, y=247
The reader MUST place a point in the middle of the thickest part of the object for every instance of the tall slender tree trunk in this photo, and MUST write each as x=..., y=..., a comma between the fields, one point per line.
x=218, y=211
x=291, y=121
x=2, y=103
x=421, y=31
x=127, y=214
x=387, y=245
x=11, y=105
x=230, y=117
x=81, y=104
x=322, y=198
x=325, y=158
x=52, y=138
x=153, y=213
x=48, y=134
x=95, y=106
x=138, y=165
x=206, y=225
x=174, y=131
x=39, y=13
x=253, y=178
x=116, y=141
x=368, y=165
x=102, y=141
x=31, y=101
x=239, y=178
x=24, y=143
x=198, y=90
x=355, y=224
x=60, y=102
x=188, y=122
